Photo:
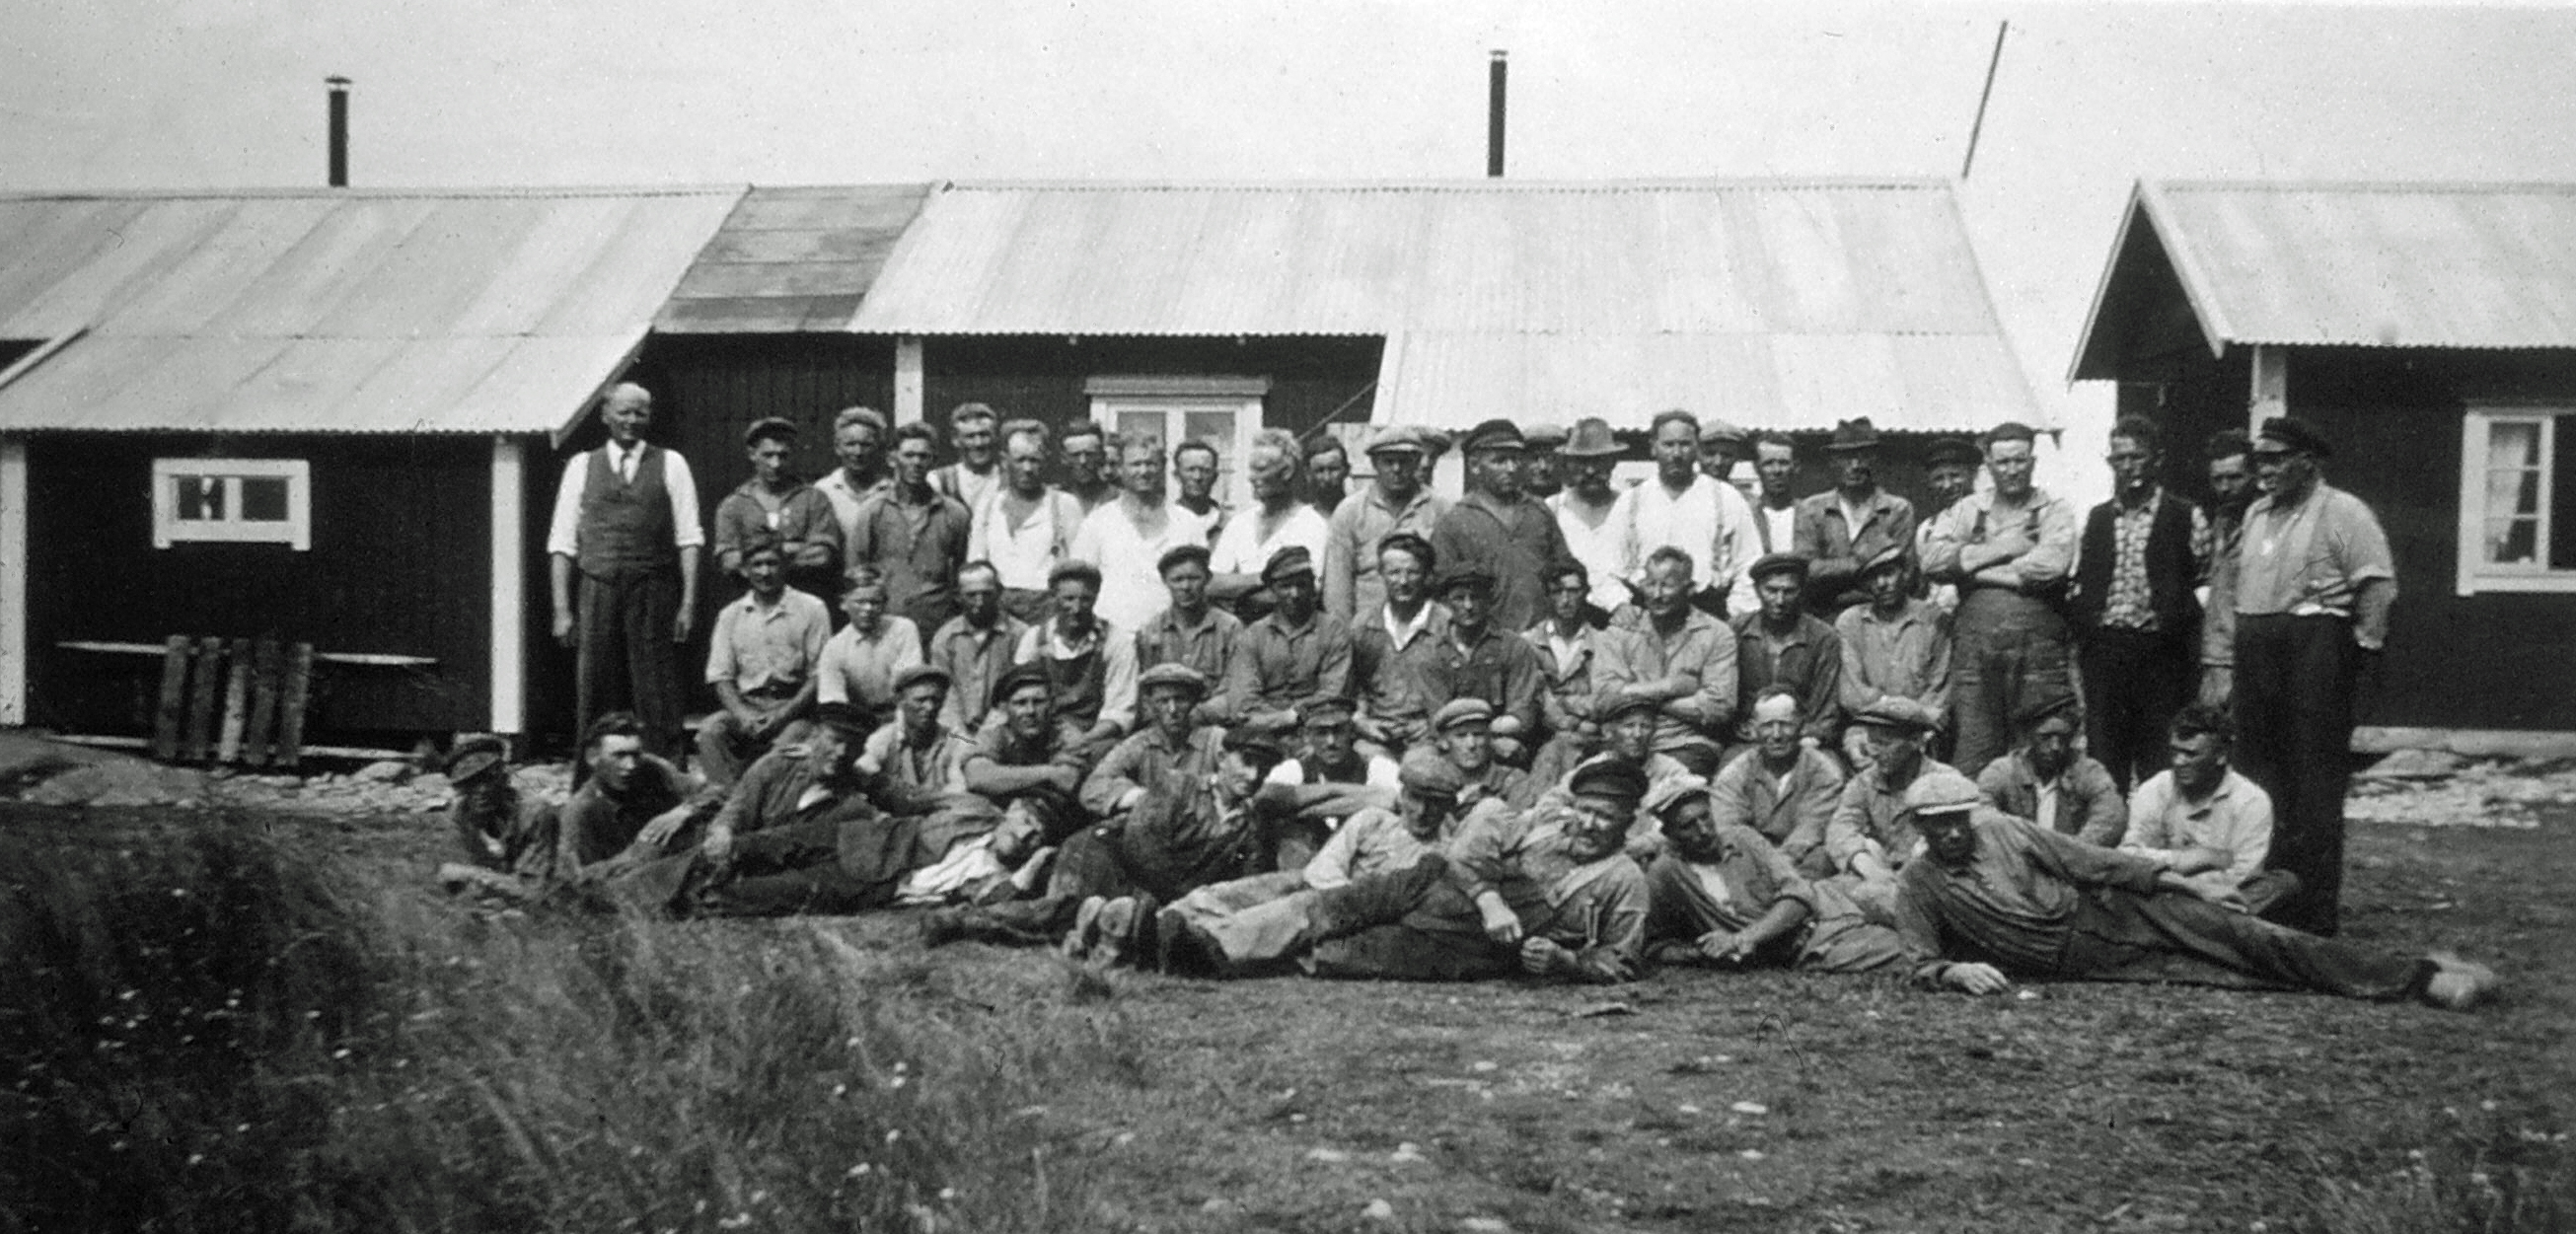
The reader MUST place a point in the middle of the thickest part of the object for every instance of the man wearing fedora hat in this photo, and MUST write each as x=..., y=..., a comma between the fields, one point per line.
x=1497, y=528
x=1398, y=498
x=2010, y=551
x=1848, y=524
x=2314, y=583
x=1294, y=654
x=1681, y=508
x=1998, y=897
x=1587, y=514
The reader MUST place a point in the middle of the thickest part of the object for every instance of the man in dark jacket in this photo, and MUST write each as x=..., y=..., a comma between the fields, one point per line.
x=2137, y=620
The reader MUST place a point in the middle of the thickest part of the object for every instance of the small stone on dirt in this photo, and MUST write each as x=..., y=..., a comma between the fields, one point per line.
x=1379, y=1210
x=1750, y=1107
x=1217, y=1204
x=385, y=771
x=1592, y=1011
x=1329, y=1156
x=1751, y=1154
x=1486, y=1225
x=1406, y=1154
x=1486, y=1064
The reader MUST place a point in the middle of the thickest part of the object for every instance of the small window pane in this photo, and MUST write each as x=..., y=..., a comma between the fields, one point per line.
x=263, y=499
x=201, y=498
x=1146, y=423
x=2513, y=542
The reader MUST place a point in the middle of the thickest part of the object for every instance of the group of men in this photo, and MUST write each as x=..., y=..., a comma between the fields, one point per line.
x=1554, y=724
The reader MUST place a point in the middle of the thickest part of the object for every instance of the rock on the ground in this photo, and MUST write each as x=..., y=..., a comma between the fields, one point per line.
x=2415, y=765
x=385, y=771
x=122, y=783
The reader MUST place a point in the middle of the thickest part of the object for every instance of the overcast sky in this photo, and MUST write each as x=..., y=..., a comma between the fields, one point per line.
x=226, y=93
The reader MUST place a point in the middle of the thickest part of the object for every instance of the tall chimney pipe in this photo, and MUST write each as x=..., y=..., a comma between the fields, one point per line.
x=339, y=131
x=1495, y=75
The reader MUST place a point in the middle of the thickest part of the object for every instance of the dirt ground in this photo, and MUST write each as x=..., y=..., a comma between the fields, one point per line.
x=1778, y=1102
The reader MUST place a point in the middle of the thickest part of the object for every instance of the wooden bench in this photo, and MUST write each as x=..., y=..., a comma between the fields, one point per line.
x=236, y=701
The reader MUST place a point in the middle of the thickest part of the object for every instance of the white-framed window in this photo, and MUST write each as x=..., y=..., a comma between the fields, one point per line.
x=1224, y=412
x=232, y=501
x=2518, y=499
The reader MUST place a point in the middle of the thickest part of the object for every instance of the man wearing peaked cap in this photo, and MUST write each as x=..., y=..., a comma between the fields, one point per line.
x=2314, y=585
x=1398, y=499
x=1090, y=663
x=1499, y=528
x=1871, y=836
x=1780, y=643
x=1296, y=652
x=2047, y=780
x=1327, y=778
x=916, y=765
x=1543, y=467
x=2010, y=551
x=775, y=502
x=1723, y=897
x=1479, y=659
x=1192, y=631
x=1463, y=730
x=1585, y=513
x=1998, y=897
x=509, y=839
x=1721, y=446
x=1171, y=746
x=1894, y=646
x=1839, y=528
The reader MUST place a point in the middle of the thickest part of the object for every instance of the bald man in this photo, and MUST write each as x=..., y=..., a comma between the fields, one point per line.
x=626, y=521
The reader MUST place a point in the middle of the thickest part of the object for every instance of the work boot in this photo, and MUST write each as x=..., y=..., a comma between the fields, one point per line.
x=1170, y=942
x=1116, y=933
x=2461, y=984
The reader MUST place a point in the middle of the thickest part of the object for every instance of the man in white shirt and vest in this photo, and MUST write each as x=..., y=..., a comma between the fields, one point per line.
x=626, y=520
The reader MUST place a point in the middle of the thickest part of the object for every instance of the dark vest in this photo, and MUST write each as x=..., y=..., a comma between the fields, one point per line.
x=625, y=526
x=2169, y=568
x=1080, y=684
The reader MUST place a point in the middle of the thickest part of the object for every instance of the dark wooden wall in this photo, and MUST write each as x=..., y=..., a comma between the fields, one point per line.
x=2492, y=660
x=401, y=534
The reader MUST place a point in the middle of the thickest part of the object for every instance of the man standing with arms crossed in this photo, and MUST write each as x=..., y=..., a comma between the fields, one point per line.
x=2313, y=590
x=2009, y=551
x=626, y=518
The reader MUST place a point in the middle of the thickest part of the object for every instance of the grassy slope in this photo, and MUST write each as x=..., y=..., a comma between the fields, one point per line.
x=2091, y=1106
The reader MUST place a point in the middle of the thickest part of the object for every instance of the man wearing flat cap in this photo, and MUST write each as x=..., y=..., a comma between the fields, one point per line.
x=2135, y=608
x=1027, y=761
x=915, y=535
x=2047, y=780
x=1542, y=468
x=1682, y=655
x=1998, y=897
x=1848, y=524
x=1587, y=513
x=1895, y=645
x=1721, y=896
x=1627, y=735
x=1192, y=632
x=774, y=502
x=1397, y=499
x=1783, y=789
x=1681, y=508
x=1477, y=659
x=1498, y=528
x=1295, y=653
x=1949, y=473
x=1870, y=836
x=1780, y=643
x=1463, y=731
x=1090, y=663
x=1170, y=745
x=2010, y=551
x=1327, y=778
x=2314, y=583
x=508, y=839
x=915, y=768
x=1548, y=893
x=915, y=764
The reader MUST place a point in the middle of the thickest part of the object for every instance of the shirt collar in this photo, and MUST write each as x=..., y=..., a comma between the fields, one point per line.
x=1062, y=650
x=1403, y=635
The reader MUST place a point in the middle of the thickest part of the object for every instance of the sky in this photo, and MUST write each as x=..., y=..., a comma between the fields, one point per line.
x=2088, y=97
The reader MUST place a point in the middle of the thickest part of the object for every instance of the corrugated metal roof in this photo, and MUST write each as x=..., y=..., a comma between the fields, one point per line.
x=2370, y=265
x=792, y=260
x=1591, y=294
x=338, y=310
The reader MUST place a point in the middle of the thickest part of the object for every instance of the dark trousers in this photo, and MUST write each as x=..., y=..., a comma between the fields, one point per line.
x=2134, y=682
x=2009, y=654
x=793, y=869
x=2123, y=936
x=2294, y=697
x=1405, y=925
x=625, y=656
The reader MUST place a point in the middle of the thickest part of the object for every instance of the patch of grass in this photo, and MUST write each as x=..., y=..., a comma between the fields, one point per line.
x=223, y=1036
x=2493, y=1170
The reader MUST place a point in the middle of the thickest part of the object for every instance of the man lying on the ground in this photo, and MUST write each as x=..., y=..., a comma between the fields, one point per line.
x=1180, y=837
x=634, y=803
x=915, y=768
x=1721, y=896
x=2202, y=811
x=797, y=835
x=1329, y=779
x=508, y=839
x=1871, y=835
x=1781, y=788
x=1170, y=745
x=1547, y=892
x=2048, y=782
x=1251, y=916
x=1998, y=897
x=1028, y=760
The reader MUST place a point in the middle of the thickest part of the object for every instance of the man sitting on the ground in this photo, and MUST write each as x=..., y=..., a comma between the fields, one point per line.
x=862, y=659
x=1476, y=660
x=1627, y=735
x=1998, y=897
x=631, y=801
x=1871, y=836
x=1090, y=665
x=1783, y=790
x=1546, y=892
x=1722, y=897
x=2047, y=782
x=797, y=835
x=1329, y=779
x=763, y=662
x=508, y=838
x=915, y=768
x=1172, y=746
x=1296, y=653
x=1462, y=730
x=1685, y=656
x=1251, y=917
x=2201, y=810
x=1024, y=762
x=1191, y=631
